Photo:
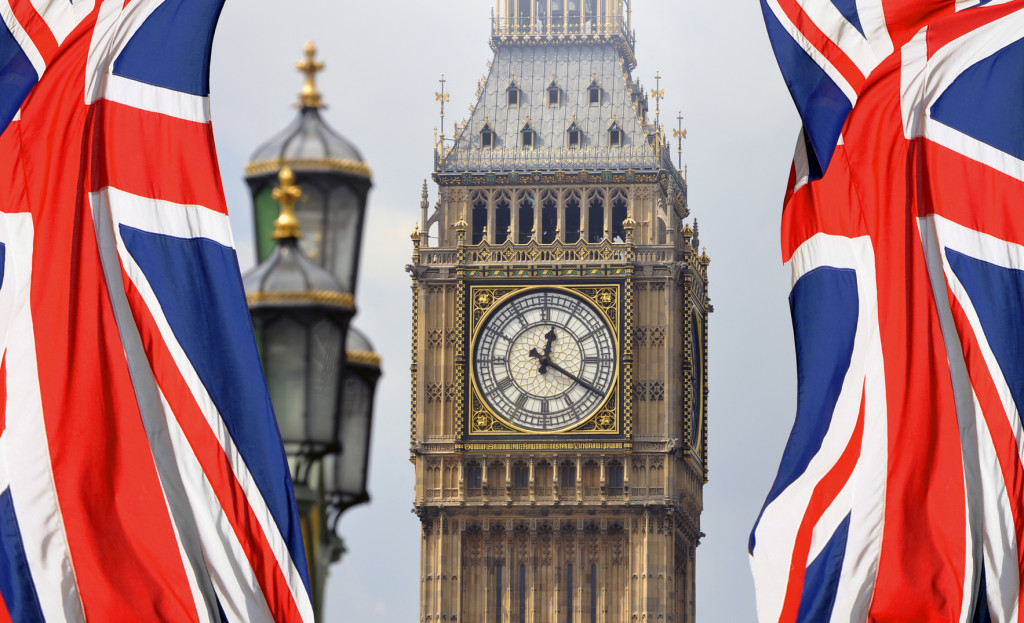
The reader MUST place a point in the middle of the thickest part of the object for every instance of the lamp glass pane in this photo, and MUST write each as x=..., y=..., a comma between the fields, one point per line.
x=309, y=210
x=284, y=365
x=355, y=437
x=325, y=366
x=343, y=216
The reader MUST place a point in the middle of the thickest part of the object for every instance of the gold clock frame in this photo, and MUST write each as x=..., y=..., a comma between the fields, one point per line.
x=613, y=302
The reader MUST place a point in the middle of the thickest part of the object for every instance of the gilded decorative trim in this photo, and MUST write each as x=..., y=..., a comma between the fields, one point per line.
x=362, y=358
x=547, y=178
x=343, y=300
x=414, y=353
x=460, y=346
x=477, y=446
x=341, y=165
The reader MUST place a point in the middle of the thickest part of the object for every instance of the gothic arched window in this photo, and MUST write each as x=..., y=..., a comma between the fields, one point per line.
x=548, y=217
x=526, y=204
x=520, y=477
x=567, y=477
x=572, y=217
x=502, y=217
x=595, y=218
x=618, y=216
x=615, y=477
x=479, y=215
x=474, y=477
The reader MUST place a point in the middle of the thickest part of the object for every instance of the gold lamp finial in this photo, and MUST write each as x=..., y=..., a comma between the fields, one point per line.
x=286, y=194
x=309, y=97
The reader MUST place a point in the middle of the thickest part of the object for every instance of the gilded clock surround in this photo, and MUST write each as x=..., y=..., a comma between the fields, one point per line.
x=606, y=299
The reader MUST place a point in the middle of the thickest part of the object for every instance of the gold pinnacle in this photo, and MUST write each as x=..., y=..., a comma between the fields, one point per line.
x=309, y=97
x=286, y=194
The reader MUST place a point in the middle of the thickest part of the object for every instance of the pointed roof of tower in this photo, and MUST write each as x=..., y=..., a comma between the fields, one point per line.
x=591, y=63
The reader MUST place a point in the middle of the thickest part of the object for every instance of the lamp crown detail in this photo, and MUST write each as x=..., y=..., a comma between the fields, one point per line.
x=286, y=194
x=309, y=96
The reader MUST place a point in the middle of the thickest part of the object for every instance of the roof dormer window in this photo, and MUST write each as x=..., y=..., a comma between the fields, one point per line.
x=575, y=136
x=615, y=135
x=554, y=95
x=594, y=93
x=514, y=94
x=487, y=137
x=528, y=135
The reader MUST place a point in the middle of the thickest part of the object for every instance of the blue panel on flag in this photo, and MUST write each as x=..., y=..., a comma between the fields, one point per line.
x=997, y=294
x=3, y=262
x=821, y=579
x=16, y=585
x=824, y=304
x=986, y=101
x=17, y=77
x=849, y=10
x=197, y=283
x=981, y=612
x=172, y=49
x=823, y=107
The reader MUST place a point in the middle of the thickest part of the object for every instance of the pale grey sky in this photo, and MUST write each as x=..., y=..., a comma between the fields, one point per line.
x=383, y=62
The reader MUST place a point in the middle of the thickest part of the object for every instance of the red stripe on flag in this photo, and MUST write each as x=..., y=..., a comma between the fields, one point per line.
x=989, y=204
x=825, y=46
x=36, y=28
x=215, y=464
x=825, y=492
x=920, y=570
x=132, y=140
x=1000, y=430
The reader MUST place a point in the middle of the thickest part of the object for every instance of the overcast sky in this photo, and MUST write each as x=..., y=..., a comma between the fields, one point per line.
x=383, y=63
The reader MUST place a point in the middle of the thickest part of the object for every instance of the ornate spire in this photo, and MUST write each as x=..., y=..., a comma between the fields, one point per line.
x=287, y=194
x=309, y=97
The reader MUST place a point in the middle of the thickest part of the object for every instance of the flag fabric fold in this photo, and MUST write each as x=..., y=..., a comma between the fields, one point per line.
x=900, y=495
x=142, y=476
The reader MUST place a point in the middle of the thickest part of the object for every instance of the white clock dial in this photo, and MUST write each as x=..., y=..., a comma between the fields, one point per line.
x=544, y=360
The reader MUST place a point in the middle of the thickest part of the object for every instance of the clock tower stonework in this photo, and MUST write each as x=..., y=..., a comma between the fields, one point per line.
x=559, y=343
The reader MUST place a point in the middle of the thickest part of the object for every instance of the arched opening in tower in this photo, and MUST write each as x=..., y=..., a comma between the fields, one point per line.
x=572, y=218
x=595, y=220
x=502, y=219
x=525, y=218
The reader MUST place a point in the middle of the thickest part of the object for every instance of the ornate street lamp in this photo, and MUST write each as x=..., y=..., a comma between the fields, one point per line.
x=301, y=299
x=300, y=317
x=334, y=178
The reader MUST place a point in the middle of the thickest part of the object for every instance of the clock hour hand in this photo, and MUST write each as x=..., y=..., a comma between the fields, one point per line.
x=572, y=376
x=544, y=360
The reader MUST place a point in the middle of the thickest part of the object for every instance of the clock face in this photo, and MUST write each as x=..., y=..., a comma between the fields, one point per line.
x=544, y=360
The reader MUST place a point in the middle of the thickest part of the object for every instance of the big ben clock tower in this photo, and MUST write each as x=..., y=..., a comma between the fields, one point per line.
x=559, y=344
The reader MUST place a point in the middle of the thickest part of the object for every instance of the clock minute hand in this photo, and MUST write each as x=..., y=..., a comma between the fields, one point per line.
x=572, y=376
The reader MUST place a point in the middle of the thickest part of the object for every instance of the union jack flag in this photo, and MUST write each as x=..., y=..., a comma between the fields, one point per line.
x=142, y=476
x=900, y=495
